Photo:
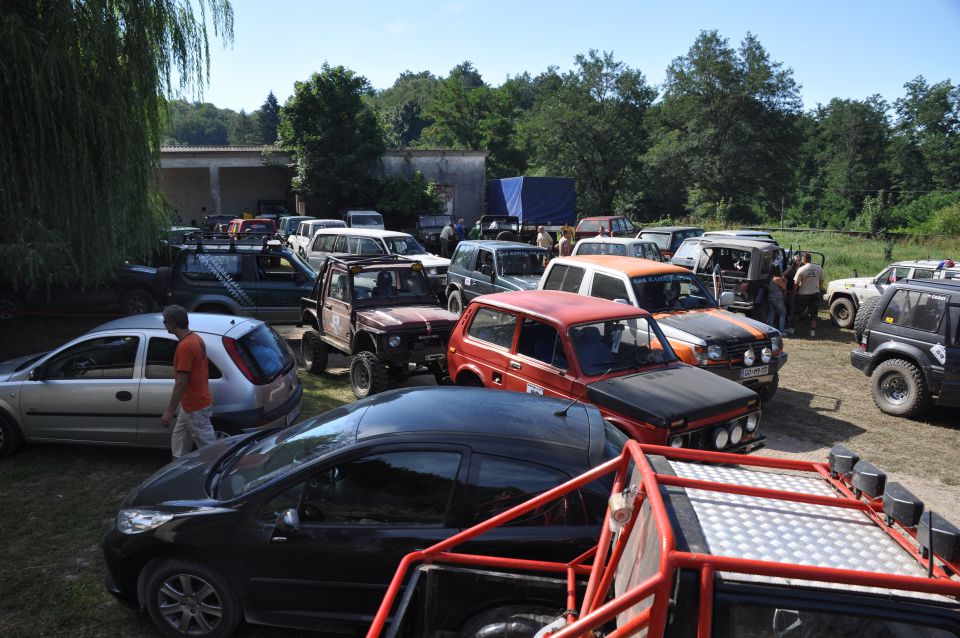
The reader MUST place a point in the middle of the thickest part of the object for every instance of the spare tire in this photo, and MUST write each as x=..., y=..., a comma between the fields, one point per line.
x=862, y=319
x=506, y=235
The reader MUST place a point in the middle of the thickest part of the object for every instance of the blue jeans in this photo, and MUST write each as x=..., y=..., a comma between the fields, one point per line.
x=777, y=308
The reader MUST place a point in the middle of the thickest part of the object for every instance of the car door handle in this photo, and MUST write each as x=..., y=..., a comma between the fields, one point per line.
x=123, y=395
x=278, y=539
x=515, y=365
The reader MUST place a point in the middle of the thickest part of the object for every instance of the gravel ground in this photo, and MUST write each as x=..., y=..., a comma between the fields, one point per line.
x=823, y=401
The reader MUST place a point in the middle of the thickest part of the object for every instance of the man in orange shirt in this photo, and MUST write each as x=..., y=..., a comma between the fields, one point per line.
x=191, y=391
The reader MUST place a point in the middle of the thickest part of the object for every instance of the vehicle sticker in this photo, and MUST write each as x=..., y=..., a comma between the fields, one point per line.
x=467, y=281
x=534, y=389
x=943, y=298
x=335, y=322
x=940, y=353
x=888, y=319
x=232, y=287
x=615, y=339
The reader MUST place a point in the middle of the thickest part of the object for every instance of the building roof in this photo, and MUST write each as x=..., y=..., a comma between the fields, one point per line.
x=565, y=308
x=632, y=266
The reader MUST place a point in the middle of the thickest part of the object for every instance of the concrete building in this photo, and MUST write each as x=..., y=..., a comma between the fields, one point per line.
x=232, y=179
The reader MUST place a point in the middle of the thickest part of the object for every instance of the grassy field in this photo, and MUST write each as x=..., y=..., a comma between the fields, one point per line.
x=846, y=254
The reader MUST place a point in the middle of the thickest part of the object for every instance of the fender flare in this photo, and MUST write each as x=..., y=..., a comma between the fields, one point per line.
x=468, y=368
x=896, y=350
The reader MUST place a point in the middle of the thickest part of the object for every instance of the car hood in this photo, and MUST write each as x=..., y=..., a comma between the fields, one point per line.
x=850, y=282
x=407, y=318
x=428, y=260
x=183, y=481
x=518, y=282
x=665, y=395
x=8, y=368
x=712, y=326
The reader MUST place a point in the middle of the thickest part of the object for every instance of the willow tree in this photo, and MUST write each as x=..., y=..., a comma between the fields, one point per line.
x=83, y=90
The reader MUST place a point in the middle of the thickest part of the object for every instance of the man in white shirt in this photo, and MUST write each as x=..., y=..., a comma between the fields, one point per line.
x=544, y=240
x=807, y=290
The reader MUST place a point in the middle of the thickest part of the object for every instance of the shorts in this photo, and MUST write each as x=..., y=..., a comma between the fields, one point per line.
x=807, y=306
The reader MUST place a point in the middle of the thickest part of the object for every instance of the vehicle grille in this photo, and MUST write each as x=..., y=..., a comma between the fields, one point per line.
x=441, y=270
x=433, y=340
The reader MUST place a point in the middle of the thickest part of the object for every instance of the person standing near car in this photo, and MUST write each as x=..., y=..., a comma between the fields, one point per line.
x=776, y=309
x=565, y=246
x=445, y=236
x=191, y=389
x=544, y=240
x=808, y=284
x=461, y=230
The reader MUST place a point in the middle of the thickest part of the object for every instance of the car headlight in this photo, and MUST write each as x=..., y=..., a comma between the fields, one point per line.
x=716, y=353
x=393, y=341
x=776, y=344
x=433, y=271
x=676, y=441
x=753, y=420
x=766, y=355
x=720, y=438
x=736, y=434
x=139, y=521
x=749, y=358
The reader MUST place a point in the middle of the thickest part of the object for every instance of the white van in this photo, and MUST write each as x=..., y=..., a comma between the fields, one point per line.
x=301, y=238
x=364, y=219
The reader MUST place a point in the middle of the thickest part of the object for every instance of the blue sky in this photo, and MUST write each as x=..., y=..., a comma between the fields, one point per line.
x=844, y=48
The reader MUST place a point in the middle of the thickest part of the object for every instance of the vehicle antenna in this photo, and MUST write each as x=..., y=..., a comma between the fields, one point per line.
x=564, y=411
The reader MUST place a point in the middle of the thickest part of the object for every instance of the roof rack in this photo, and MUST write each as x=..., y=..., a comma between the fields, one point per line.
x=200, y=240
x=855, y=486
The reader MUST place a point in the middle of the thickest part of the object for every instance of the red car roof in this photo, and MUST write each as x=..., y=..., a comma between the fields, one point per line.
x=566, y=308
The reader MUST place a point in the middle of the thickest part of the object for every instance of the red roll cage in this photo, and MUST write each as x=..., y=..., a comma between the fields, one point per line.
x=600, y=563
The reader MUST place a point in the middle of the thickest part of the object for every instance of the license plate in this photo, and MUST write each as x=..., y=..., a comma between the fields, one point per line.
x=756, y=371
x=293, y=414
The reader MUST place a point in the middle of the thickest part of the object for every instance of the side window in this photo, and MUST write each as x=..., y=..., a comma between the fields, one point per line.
x=329, y=242
x=542, y=342
x=160, y=352
x=317, y=245
x=462, y=258
x=410, y=488
x=607, y=287
x=103, y=358
x=484, y=258
x=339, y=286
x=923, y=273
x=915, y=309
x=493, y=327
x=211, y=267
x=368, y=246
x=274, y=268
x=563, y=277
x=499, y=483
x=340, y=246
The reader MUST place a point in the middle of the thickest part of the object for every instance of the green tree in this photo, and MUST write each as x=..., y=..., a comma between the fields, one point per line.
x=728, y=123
x=402, y=198
x=928, y=132
x=268, y=119
x=403, y=107
x=244, y=129
x=82, y=104
x=334, y=137
x=592, y=128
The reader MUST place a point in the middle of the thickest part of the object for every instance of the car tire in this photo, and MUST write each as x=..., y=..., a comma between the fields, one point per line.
x=862, y=319
x=136, y=302
x=368, y=375
x=514, y=621
x=314, y=352
x=167, y=594
x=842, y=312
x=768, y=390
x=455, y=302
x=9, y=437
x=899, y=389
x=10, y=306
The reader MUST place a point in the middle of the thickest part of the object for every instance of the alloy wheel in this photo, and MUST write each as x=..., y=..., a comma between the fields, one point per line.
x=190, y=604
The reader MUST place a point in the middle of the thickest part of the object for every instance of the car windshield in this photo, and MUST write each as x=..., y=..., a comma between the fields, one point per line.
x=521, y=262
x=303, y=263
x=662, y=240
x=620, y=344
x=366, y=220
x=404, y=246
x=258, y=227
x=390, y=283
x=501, y=223
x=671, y=291
x=604, y=248
x=590, y=225
x=434, y=221
x=284, y=451
x=688, y=250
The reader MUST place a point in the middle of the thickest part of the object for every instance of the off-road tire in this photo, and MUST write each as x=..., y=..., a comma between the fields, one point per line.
x=136, y=301
x=10, y=306
x=314, y=352
x=862, y=320
x=455, y=302
x=368, y=375
x=842, y=312
x=898, y=388
x=514, y=621
x=186, y=576
x=506, y=235
x=768, y=390
x=9, y=437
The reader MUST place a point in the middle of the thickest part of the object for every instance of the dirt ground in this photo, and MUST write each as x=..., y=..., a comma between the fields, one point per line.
x=823, y=401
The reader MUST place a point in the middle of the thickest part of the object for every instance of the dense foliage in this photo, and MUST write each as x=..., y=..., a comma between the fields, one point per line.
x=82, y=104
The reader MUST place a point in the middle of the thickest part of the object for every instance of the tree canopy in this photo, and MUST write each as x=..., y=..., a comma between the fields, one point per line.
x=82, y=101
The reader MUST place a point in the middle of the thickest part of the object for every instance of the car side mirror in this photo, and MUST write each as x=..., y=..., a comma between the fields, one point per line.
x=726, y=299
x=36, y=374
x=289, y=521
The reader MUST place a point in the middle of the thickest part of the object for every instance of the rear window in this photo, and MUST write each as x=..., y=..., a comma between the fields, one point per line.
x=589, y=226
x=267, y=351
x=601, y=248
x=662, y=240
x=259, y=227
x=565, y=278
x=916, y=309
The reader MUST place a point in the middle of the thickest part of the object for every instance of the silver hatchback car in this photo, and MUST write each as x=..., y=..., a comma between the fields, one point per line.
x=111, y=385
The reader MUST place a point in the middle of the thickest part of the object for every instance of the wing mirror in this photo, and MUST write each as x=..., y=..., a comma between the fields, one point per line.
x=289, y=521
x=726, y=299
x=36, y=374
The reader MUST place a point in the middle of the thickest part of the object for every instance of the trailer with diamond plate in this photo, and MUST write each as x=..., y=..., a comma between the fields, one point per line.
x=707, y=544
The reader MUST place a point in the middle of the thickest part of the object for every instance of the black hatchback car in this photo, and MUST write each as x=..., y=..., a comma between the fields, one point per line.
x=304, y=527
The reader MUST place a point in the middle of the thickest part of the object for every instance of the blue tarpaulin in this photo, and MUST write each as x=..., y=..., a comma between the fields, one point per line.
x=535, y=200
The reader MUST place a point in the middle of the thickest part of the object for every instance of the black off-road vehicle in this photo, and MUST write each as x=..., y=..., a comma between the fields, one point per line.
x=910, y=347
x=382, y=313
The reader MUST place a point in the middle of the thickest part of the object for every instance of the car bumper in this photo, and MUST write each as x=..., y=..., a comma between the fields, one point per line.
x=120, y=579
x=753, y=375
x=861, y=360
